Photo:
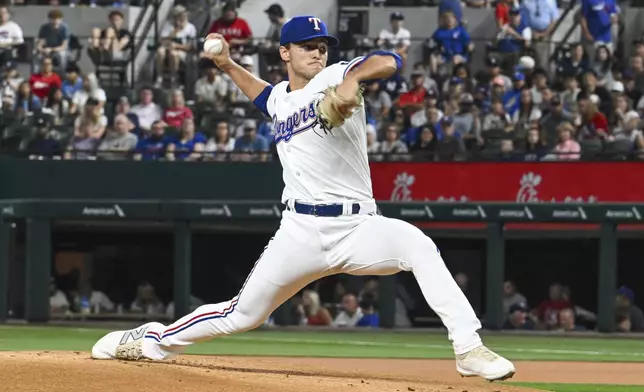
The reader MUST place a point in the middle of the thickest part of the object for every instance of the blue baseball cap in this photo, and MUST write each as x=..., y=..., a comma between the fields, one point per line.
x=518, y=76
x=305, y=28
x=626, y=292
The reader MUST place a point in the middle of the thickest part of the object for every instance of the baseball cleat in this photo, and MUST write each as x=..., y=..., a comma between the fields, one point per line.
x=485, y=363
x=127, y=345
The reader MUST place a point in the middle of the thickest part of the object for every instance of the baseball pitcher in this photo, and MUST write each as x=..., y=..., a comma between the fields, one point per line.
x=330, y=224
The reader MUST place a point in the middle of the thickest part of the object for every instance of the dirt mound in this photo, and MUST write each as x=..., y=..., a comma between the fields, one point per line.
x=75, y=371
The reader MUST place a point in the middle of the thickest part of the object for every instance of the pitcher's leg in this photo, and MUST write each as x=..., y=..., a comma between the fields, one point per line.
x=291, y=260
x=394, y=246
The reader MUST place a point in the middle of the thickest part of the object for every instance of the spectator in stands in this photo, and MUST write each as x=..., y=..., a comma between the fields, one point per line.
x=591, y=87
x=567, y=321
x=515, y=36
x=175, y=115
x=453, y=42
x=450, y=146
x=53, y=40
x=512, y=98
x=430, y=115
x=189, y=145
x=548, y=311
x=518, y=318
x=276, y=19
x=377, y=101
x=392, y=148
x=57, y=106
x=494, y=74
x=83, y=144
x=569, y=95
x=221, y=142
x=234, y=93
x=412, y=101
x=43, y=81
x=250, y=142
x=637, y=70
x=92, y=115
x=424, y=148
x=147, y=111
x=603, y=66
x=146, y=300
x=44, y=141
x=90, y=90
x=577, y=63
x=73, y=81
x=235, y=30
x=370, y=317
x=350, y=313
x=26, y=101
x=58, y=302
x=274, y=76
x=397, y=39
x=629, y=130
x=112, y=44
x=395, y=86
x=527, y=115
x=594, y=125
x=633, y=318
x=541, y=16
x=596, y=20
x=177, y=40
x=311, y=310
x=11, y=79
x=463, y=282
x=119, y=143
x=511, y=297
x=97, y=301
x=153, y=143
x=497, y=119
x=123, y=107
x=535, y=147
x=540, y=84
x=467, y=121
x=211, y=88
x=567, y=148
x=630, y=88
x=508, y=152
x=10, y=35
x=551, y=121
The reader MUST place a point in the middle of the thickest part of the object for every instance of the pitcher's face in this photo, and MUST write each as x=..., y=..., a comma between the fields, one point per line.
x=306, y=59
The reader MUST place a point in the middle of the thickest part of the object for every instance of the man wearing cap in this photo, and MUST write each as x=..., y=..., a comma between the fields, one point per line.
x=466, y=121
x=450, y=145
x=234, y=93
x=212, y=87
x=251, y=142
x=398, y=38
x=178, y=38
x=630, y=131
x=73, y=81
x=495, y=75
x=627, y=310
x=235, y=30
x=551, y=121
x=412, y=100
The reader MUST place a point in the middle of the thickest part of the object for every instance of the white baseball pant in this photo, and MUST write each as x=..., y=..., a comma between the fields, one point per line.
x=306, y=248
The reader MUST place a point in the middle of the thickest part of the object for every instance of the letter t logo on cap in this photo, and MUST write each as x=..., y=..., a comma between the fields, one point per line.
x=316, y=22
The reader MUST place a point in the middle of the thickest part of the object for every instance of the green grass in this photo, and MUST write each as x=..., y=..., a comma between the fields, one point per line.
x=581, y=387
x=346, y=344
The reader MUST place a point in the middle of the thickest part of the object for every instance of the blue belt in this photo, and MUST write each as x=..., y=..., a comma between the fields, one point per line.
x=328, y=210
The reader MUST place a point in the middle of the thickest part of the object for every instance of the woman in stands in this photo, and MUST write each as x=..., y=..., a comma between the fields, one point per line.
x=603, y=66
x=92, y=115
x=528, y=113
x=57, y=106
x=311, y=311
x=26, y=101
x=220, y=143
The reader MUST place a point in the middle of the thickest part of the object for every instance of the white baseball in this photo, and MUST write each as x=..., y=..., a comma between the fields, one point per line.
x=213, y=46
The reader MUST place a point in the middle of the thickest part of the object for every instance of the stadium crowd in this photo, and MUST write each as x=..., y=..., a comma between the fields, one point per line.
x=583, y=102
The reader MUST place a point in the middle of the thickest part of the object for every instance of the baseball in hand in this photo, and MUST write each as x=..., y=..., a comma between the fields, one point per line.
x=213, y=46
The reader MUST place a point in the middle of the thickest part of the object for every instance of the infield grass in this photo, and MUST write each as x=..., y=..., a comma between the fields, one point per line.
x=346, y=344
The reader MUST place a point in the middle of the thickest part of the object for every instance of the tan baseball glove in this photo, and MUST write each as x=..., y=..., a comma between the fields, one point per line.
x=333, y=109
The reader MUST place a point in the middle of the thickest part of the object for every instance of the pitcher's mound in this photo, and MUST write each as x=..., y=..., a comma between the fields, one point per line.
x=75, y=371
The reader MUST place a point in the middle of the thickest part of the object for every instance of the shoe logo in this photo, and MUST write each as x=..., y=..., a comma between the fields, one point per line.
x=134, y=334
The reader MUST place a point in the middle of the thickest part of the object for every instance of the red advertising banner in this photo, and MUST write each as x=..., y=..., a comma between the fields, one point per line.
x=521, y=182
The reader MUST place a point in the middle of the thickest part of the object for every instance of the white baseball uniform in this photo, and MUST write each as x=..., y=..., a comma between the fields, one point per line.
x=324, y=168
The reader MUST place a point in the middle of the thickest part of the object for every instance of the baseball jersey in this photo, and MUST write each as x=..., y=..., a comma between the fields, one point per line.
x=319, y=166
